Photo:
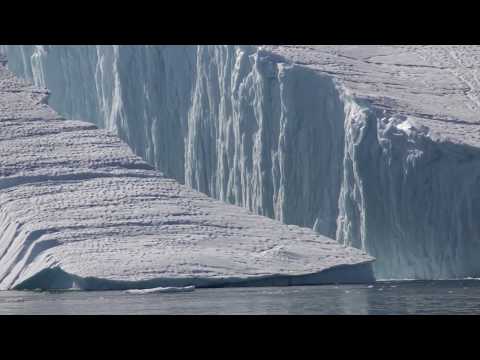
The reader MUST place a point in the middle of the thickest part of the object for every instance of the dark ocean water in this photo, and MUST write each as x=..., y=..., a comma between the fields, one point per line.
x=419, y=297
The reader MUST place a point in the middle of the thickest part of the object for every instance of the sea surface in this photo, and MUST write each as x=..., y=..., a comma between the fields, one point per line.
x=411, y=297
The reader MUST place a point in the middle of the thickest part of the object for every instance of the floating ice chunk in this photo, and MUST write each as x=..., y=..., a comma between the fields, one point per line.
x=161, y=290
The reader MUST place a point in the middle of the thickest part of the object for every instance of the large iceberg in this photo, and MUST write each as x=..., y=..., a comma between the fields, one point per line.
x=78, y=210
x=376, y=146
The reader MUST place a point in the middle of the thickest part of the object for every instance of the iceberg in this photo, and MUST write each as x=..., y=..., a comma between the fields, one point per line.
x=375, y=146
x=79, y=210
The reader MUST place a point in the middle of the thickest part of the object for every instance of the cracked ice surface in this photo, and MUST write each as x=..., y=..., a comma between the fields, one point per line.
x=79, y=210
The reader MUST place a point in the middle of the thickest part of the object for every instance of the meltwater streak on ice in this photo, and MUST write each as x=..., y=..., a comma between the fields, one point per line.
x=377, y=146
x=78, y=210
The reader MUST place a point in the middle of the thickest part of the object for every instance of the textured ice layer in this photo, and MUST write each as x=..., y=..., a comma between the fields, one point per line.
x=79, y=210
x=377, y=146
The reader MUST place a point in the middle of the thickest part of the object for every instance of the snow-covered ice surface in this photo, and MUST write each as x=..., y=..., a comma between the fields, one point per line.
x=437, y=86
x=78, y=210
x=376, y=146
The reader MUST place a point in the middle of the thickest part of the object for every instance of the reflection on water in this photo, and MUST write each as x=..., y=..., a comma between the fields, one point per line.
x=434, y=297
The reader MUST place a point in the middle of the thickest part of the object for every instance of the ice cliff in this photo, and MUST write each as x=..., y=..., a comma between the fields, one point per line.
x=78, y=210
x=377, y=146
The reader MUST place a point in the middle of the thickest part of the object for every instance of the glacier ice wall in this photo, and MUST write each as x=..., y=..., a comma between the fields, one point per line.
x=230, y=121
x=248, y=127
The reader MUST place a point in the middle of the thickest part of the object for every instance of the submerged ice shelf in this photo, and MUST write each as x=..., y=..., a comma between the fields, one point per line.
x=376, y=146
x=79, y=210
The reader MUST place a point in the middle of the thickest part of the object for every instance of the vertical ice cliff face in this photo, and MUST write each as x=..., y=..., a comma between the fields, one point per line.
x=266, y=135
x=412, y=200
x=345, y=141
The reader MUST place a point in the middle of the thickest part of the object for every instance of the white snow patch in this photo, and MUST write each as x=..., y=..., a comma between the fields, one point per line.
x=405, y=126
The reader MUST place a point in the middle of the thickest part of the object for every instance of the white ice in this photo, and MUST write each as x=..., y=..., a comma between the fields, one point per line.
x=161, y=290
x=376, y=146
